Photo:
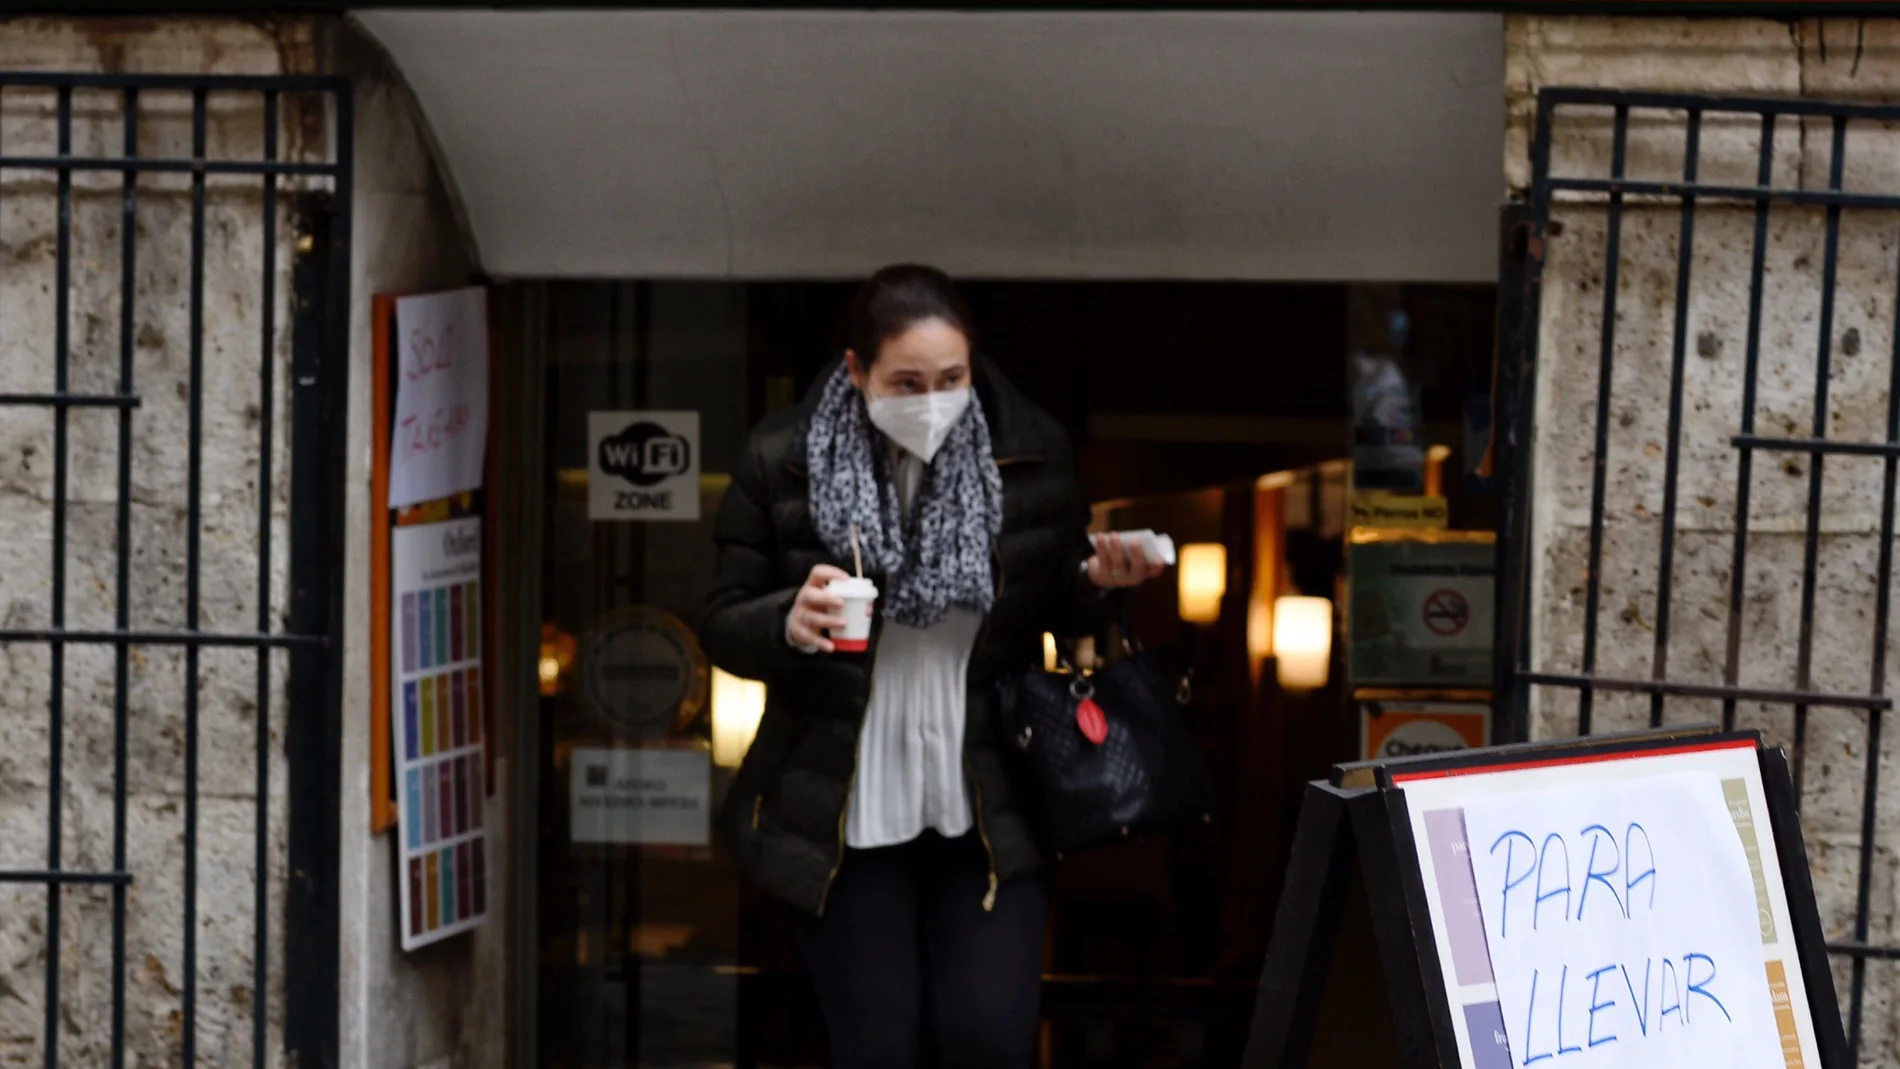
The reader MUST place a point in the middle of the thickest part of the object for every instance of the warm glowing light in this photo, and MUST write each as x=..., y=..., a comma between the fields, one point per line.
x=1302, y=641
x=557, y=656
x=1049, y=659
x=737, y=706
x=1435, y=458
x=1203, y=581
x=1259, y=629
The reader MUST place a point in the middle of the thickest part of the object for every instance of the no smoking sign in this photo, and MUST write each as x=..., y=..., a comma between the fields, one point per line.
x=1446, y=612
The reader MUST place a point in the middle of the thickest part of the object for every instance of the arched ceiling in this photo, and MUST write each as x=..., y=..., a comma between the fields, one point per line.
x=800, y=144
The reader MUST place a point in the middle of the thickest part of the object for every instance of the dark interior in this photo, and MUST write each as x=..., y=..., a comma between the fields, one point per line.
x=1180, y=397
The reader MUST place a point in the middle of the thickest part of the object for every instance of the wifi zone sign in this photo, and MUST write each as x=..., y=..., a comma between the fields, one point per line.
x=643, y=465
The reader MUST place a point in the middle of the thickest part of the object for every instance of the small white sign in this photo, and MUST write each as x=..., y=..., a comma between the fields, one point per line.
x=641, y=796
x=643, y=465
x=439, y=436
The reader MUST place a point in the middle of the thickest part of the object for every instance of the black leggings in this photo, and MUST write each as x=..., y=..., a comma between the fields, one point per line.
x=904, y=931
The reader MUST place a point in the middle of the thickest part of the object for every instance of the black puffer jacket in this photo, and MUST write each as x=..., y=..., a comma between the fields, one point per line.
x=784, y=818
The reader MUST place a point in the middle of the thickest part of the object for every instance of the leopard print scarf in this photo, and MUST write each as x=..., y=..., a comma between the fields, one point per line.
x=939, y=557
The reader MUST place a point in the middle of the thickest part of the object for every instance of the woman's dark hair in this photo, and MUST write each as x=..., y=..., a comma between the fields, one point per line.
x=898, y=298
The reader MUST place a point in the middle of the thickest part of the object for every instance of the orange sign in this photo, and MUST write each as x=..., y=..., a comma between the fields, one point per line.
x=1407, y=728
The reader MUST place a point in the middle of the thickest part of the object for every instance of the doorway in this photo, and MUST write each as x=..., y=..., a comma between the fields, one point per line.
x=1217, y=412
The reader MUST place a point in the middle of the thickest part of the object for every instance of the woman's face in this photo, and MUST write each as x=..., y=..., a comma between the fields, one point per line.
x=929, y=356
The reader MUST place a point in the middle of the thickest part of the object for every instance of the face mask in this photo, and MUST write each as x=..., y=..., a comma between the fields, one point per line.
x=920, y=422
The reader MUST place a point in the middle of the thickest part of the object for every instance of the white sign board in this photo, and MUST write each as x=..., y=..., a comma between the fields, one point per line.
x=643, y=465
x=1622, y=926
x=1575, y=899
x=436, y=729
x=640, y=796
x=439, y=435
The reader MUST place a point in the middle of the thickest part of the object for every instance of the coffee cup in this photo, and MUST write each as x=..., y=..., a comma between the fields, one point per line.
x=860, y=601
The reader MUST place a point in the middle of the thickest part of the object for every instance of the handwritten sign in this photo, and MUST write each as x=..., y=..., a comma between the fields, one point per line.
x=1623, y=926
x=440, y=427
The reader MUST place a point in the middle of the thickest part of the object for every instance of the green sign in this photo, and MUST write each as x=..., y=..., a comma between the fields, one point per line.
x=1421, y=613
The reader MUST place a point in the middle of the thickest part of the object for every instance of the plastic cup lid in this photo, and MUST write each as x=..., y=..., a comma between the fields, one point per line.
x=852, y=587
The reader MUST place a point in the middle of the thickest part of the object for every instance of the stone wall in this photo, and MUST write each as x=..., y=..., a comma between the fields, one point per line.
x=1841, y=60
x=443, y=1007
x=237, y=267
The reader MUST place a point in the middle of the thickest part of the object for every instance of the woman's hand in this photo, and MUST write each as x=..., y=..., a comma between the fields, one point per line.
x=815, y=611
x=1119, y=564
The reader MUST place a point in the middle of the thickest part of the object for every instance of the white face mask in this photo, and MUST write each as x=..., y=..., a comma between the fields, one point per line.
x=921, y=421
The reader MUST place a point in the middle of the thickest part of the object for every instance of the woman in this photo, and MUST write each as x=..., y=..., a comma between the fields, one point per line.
x=875, y=797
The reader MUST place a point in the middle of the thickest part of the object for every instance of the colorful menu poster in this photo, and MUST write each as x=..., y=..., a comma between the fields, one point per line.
x=436, y=730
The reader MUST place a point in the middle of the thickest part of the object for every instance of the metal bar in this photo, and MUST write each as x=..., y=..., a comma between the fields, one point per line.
x=1600, y=470
x=1674, y=689
x=1869, y=798
x=318, y=385
x=1570, y=96
x=524, y=520
x=1815, y=446
x=1738, y=571
x=1514, y=281
x=148, y=166
x=56, y=699
x=198, y=82
x=267, y=405
x=122, y=608
x=55, y=879
x=1811, y=544
x=1678, y=190
x=55, y=637
x=1515, y=431
x=1672, y=457
x=1877, y=672
x=1859, y=950
x=194, y=518
x=61, y=399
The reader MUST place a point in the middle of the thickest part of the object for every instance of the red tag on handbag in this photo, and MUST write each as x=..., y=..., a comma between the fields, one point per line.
x=1088, y=717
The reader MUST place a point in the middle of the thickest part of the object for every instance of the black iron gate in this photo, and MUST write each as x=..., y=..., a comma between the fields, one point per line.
x=1786, y=247
x=175, y=288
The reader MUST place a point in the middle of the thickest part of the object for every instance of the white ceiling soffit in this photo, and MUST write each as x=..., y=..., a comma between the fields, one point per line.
x=758, y=145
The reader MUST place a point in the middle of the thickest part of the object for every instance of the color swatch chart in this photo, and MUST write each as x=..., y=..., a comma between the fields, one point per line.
x=438, y=737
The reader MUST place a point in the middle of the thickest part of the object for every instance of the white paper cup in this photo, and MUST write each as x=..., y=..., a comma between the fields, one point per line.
x=860, y=602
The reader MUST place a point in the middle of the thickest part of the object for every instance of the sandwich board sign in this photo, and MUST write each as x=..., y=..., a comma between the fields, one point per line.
x=1616, y=902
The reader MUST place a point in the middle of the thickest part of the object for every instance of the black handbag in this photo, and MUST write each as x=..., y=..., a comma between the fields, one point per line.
x=1109, y=751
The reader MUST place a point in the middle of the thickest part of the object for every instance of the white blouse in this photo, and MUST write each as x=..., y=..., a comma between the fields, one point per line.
x=910, y=751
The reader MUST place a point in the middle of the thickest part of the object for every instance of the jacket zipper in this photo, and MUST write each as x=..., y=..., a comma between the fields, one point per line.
x=969, y=772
